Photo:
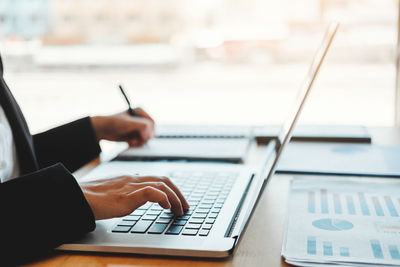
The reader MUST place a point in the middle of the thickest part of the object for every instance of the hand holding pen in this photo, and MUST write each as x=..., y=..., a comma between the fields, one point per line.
x=135, y=127
x=136, y=112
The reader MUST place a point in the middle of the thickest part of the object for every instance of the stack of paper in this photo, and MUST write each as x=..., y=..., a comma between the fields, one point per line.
x=343, y=223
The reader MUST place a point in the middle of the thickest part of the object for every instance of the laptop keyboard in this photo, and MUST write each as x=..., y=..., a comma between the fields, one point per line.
x=205, y=192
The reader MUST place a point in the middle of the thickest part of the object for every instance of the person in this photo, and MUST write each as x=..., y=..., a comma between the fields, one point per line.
x=41, y=203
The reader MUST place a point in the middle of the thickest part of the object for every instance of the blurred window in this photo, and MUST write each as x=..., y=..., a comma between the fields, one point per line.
x=241, y=59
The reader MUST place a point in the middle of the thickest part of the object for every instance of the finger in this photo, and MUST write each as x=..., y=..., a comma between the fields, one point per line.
x=138, y=123
x=146, y=134
x=135, y=128
x=134, y=142
x=144, y=114
x=141, y=125
x=178, y=192
x=176, y=205
x=169, y=183
x=132, y=138
x=141, y=196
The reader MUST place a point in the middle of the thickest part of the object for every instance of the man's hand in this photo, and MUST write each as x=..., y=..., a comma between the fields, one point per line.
x=123, y=127
x=120, y=196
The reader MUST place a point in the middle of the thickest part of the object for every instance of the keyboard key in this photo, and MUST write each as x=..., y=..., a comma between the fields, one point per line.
x=199, y=215
x=132, y=218
x=214, y=191
x=215, y=210
x=184, y=217
x=156, y=207
x=141, y=227
x=205, y=206
x=207, y=226
x=203, y=211
x=210, y=221
x=126, y=223
x=149, y=217
x=138, y=212
x=179, y=222
x=189, y=211
x=194, y=198
x=164, y=221
x=189, y=232
x=154, y=212
x=218, y=205
x=197, y=221
x=121, y=229
x=202, y=186
x=145, y=206
x=188, y=189
x=174, y=230
x=204, y=232
x=192, y=226
x=157, y=228
x=166, y=215
x=213, y=215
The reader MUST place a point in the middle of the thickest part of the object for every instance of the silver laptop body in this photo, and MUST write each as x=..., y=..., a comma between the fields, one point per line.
x=231, y=191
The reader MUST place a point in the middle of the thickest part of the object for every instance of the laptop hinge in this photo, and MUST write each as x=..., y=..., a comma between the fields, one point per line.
x=236, y=215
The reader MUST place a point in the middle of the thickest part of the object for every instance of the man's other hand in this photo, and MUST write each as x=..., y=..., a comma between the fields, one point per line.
x=123, y=127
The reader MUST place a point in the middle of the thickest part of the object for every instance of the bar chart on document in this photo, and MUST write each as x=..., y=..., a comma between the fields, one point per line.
x=343, y=222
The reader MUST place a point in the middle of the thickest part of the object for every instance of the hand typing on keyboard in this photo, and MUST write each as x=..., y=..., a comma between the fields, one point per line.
x=206, y=193
x=120, y=196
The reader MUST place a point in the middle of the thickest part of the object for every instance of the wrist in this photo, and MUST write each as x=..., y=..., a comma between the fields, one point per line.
x=98, y=126
x=90, y=201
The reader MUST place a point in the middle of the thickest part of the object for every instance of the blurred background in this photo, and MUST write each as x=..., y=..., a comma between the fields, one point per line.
x=199, y=62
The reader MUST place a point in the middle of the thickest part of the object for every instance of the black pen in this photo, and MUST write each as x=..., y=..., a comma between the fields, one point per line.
x=131, y=111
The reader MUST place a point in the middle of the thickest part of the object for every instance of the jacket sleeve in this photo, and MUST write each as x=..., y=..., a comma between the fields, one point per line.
x=39, y=212
x=73, y=144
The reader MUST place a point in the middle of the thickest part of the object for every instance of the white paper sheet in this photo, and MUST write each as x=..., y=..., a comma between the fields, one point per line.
x=341, y=222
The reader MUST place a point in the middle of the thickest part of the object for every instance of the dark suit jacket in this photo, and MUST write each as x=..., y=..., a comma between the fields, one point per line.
x=45, y=206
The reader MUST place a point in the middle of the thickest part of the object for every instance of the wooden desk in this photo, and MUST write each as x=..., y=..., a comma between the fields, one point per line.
x=260, y=244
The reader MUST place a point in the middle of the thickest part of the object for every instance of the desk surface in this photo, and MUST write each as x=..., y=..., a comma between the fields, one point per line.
x=260, y=244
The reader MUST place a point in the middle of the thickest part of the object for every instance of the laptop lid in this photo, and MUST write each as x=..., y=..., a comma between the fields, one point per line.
x=290, y=123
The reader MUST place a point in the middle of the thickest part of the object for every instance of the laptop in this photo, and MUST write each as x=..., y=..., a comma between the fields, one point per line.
x=222, y=197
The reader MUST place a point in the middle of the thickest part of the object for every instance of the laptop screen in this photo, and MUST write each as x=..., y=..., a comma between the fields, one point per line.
x=290, y=123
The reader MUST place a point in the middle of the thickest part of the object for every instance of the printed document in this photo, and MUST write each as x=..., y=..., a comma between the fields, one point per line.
x=343, y=222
